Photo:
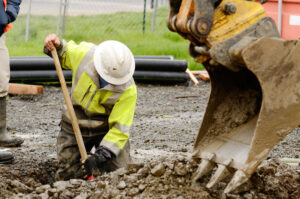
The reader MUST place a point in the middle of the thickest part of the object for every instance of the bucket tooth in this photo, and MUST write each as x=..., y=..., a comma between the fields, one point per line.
x=221, y=173
x=238, y=179
x=204, y=168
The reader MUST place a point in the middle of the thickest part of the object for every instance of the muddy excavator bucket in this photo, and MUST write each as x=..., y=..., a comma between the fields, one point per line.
x=249, y=111
x=255, y=84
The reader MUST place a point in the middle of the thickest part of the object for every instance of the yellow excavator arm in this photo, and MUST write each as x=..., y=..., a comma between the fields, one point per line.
x=255, y=84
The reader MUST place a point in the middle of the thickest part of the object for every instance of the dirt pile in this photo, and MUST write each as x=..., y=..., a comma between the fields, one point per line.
x=276, y=179
x=166, y=123
x=166, y=178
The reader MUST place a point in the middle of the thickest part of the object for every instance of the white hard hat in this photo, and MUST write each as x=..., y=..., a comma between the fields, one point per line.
x=114, y=62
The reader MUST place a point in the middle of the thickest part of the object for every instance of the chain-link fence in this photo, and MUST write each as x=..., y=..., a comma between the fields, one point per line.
x=140, y=24
x=138, y=16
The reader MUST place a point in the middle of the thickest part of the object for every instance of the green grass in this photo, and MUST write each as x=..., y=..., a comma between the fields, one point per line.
x=124, y=27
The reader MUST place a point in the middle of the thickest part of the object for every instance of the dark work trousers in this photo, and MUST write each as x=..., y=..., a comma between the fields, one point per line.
x=69, y=156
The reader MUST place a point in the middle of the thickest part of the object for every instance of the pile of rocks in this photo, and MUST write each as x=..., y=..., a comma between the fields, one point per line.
x=167, y=178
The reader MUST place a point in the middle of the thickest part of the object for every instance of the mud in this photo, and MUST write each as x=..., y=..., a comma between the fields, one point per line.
x=165, y=126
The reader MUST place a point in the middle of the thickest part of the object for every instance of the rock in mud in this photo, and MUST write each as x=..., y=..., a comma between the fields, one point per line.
x=42, y=188
x=19, y=187
x=133, y=192
x=61, y=185
x=82, y=196
x=158, y=170
x=121, y=185
x=180, y=169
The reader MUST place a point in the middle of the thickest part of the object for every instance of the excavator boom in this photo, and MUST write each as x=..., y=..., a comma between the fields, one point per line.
x=255, y=84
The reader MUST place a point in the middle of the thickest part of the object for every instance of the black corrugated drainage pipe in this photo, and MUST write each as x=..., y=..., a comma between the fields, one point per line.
x=160, y=77
x=139, y=76
x=148, y=69
x=46, y=63
x=168, y=57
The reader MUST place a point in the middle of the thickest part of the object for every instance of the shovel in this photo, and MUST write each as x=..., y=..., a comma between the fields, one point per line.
x=71, y=111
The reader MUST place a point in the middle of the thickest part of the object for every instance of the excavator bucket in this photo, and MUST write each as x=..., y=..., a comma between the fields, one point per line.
x=249, y=111
x=255, y=84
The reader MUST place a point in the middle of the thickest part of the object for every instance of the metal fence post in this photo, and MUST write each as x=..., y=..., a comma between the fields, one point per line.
x=59, y=18
x=61, y=27
x=154, y=15
x=144, y=16
x=64, y=17
x=28, y=22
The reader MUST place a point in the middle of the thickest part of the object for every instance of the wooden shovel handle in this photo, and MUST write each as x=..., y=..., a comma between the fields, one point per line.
x=70, y=108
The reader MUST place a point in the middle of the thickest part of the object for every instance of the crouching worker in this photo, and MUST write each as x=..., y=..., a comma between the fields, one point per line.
x=104, y=96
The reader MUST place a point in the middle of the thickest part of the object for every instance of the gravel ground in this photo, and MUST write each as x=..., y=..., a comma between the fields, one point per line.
x=166, y=123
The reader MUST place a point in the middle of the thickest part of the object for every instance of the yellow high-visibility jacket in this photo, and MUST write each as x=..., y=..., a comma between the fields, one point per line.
x=108, y=110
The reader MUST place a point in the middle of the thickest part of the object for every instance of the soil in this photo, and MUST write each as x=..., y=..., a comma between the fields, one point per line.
x=166, y=123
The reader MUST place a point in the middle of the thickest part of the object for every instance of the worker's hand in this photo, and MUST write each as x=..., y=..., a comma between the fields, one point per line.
x=89, y=166
x=97, y=160
x=103, y=154
x=52, y=41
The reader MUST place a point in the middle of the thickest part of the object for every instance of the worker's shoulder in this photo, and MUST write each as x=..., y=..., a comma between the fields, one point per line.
x=131, y=86
x=82, y=47
x=87, y=44
x=81, y=44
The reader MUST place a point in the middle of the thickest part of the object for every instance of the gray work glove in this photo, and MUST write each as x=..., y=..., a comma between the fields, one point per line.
x=97, y=160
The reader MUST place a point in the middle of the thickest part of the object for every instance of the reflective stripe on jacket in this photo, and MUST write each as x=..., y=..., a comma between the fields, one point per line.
x=110, y=108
